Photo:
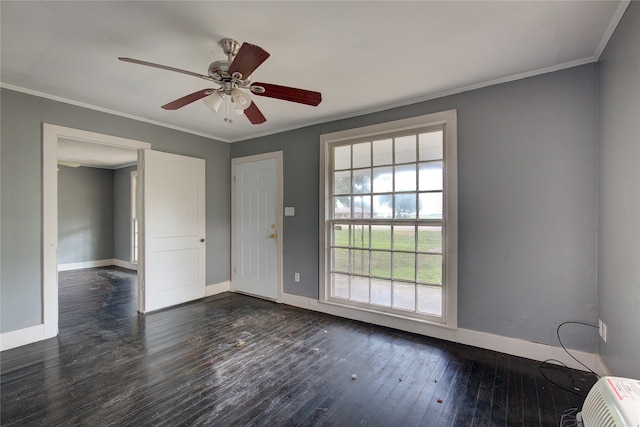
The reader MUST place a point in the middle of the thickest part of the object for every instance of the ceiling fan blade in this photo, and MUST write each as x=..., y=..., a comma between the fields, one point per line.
x=166, y=67
x=254, y=114
x=286, y=93
x=185, y=100
x=248, y=58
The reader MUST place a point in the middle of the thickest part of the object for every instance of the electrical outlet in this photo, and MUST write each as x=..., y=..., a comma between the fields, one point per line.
x=602, y=330
x=296, y=277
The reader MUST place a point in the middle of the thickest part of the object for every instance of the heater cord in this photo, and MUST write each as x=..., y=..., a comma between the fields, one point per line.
x=574, y=389
x=567, y=351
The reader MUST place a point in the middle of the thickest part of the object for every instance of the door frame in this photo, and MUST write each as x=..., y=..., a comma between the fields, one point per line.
x=278, y=156
x=50, y=136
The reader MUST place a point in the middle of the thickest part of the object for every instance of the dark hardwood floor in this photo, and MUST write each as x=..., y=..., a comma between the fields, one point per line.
x=236, y=360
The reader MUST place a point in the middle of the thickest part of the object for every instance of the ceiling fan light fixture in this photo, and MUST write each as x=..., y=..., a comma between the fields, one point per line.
x=214, y=101
x=241, y=100
x=233, y=76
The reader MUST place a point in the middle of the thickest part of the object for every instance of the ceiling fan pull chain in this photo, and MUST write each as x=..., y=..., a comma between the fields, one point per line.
x=227, y=111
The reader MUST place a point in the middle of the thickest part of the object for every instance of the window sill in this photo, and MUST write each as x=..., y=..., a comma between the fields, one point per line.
x=391, y=320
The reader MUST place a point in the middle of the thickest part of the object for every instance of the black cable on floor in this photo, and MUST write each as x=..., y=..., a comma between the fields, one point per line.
x=563, y=367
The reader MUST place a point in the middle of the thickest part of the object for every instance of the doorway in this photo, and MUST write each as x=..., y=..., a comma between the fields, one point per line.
x=52, y=136
x=94, y=205
x=256, y=223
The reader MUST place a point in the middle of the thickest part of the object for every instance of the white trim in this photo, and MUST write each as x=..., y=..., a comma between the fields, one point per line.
x=20, y=337
x=502, y=344
x=377, y=109
x=217, y=288
x=615, y=20
x=447, y=118
x=50, y=135
x=85, y=264
x=278, y=156
x=108, y=111
x=49, y=230
x=429, y=97
x=98, y=263
x=93, y=137
x=600, y=362
x=134, y=223
x=124, y=264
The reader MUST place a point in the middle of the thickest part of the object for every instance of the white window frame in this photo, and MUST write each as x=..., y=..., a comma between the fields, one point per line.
x=447, y=119
x=135, y=225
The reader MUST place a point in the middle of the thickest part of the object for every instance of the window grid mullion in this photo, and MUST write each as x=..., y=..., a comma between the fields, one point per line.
x=393, y=222
x=415, y=264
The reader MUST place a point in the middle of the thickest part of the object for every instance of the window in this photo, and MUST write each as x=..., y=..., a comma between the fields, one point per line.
x=134, y=217
x=389, y=218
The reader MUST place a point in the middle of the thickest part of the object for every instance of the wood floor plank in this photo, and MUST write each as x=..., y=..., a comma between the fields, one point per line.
x=374, y=389
x=530, y=404
x=515, y=394
x=466, y=412
x=306, y=401
x=455, y=399
x=236, y=360
x=404, y=395
x=368, y=361
x=451, y=387
x=497, y=416
x=430, y=389
x=486, y=390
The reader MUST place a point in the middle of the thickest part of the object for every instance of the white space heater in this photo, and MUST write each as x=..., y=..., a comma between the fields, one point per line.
x=612, y=402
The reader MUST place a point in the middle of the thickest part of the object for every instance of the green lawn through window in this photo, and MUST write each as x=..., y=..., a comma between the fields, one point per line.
x=378, y=251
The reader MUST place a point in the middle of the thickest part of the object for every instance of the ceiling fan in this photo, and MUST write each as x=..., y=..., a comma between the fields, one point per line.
x=232, y=76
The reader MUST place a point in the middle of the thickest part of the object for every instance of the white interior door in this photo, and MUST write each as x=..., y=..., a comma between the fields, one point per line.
x=256, y=228
x=173, y=207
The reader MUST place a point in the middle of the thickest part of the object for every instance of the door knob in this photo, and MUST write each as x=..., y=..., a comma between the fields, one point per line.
x=273, y=236
x=202, y=240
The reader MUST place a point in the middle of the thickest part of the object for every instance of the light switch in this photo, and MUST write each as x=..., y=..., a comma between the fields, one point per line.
x=289, y=211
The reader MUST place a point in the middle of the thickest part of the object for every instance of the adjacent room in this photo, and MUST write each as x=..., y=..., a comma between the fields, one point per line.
x=318, y=213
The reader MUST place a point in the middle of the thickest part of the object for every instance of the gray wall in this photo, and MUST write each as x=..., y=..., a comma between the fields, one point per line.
x=527, y=203
x=21, y=193
x=122, y=213
x=619, y=202
x=528, y=199
x=21, y=205
x=85, y=214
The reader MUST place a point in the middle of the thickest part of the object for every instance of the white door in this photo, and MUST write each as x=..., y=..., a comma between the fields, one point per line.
x=173, y=207
x=256, y=227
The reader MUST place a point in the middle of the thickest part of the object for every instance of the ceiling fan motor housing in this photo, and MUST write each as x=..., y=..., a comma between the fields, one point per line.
x=219, y=71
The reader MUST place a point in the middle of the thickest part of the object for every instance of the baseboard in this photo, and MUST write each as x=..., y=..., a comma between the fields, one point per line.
x=217, y=288
x=85, y=264
x=502, y=344
x=124, y=264
x=605, y=368
x=532, y=350
x=97, y=263
x=20, y=337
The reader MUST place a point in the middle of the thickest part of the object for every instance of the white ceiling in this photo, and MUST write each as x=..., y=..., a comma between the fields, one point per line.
x=75, y=153
x=362, y=56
